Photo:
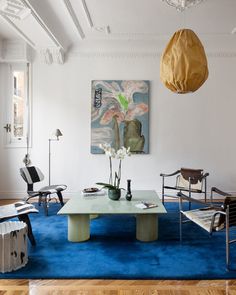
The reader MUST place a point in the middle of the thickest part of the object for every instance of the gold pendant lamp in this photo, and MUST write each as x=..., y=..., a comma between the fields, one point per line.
x=183, y=67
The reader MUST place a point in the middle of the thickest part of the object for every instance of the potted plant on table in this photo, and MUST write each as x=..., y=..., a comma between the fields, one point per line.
x=114, y=190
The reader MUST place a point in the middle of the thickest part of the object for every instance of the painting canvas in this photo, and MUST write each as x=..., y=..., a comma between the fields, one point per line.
x=120, y=115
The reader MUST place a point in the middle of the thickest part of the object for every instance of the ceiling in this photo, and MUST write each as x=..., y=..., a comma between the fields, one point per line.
x=70, y=23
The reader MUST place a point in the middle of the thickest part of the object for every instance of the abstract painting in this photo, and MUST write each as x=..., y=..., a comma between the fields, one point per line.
x=120, y=115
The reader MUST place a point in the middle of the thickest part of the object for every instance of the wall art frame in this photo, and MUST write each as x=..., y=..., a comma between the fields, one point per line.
x=120, y=115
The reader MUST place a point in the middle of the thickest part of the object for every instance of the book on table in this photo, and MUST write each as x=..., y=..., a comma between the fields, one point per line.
x=146, y=205
x=93, y=191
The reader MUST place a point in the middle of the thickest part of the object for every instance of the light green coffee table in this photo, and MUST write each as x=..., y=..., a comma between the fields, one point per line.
x=79, y=209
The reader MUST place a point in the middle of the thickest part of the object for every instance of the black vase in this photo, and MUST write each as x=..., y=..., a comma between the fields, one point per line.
x=128, y=194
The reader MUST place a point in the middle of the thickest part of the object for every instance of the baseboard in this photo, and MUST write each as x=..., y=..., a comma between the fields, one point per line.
x=22, y=195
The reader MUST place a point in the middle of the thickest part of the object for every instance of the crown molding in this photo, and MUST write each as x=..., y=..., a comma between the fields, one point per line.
x=152, y=36
x=221, y=54
x=132, y=36
x=17, y=30
x=109, y=54
x=41, y=23
x=74, y=18
x=139, y=54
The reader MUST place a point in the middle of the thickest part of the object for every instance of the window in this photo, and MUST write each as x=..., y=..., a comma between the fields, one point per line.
x=18, y=106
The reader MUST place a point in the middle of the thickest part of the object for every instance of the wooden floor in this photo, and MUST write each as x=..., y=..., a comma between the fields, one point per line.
x=116, y=287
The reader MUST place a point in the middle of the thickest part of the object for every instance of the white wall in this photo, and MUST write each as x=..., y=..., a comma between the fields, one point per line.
x=193, y=130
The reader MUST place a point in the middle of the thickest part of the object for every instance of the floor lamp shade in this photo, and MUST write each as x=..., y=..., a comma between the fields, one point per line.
x=57, y=133
x=183, y=65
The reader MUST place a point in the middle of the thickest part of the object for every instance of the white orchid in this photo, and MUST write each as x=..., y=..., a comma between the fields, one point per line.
x=120, y=155
x=104, y=146
x=109, y=151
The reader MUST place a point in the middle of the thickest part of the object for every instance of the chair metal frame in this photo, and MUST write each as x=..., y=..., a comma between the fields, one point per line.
x=189, y=190
x=226, y=213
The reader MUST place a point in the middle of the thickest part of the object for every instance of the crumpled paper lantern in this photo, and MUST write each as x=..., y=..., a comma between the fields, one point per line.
x=183, y=66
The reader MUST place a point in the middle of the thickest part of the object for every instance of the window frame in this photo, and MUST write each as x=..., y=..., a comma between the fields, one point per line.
x=10, y=140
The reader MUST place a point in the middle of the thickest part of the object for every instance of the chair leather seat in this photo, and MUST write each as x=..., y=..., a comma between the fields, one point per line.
x=203, y=218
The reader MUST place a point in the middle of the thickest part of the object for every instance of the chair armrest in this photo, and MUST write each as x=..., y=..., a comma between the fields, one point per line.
x=213, y=218
x=219, y=212
x=220, y=192
x=189, y=199
x=204, y=176
x=171, y=174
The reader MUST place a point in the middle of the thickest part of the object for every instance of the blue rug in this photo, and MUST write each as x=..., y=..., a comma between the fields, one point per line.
x=114, y=253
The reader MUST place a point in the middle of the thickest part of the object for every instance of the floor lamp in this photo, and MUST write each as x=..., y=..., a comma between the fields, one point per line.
x=57, y=133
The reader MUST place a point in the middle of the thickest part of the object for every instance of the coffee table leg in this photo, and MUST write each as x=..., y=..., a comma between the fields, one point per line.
x=93, y=216
x=146, y=227
x=78, y=227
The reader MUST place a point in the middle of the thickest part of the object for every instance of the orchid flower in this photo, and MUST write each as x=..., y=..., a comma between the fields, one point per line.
x=120, y=155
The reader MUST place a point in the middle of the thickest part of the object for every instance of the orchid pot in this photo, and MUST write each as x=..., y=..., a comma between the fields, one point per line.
x=114, y=194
